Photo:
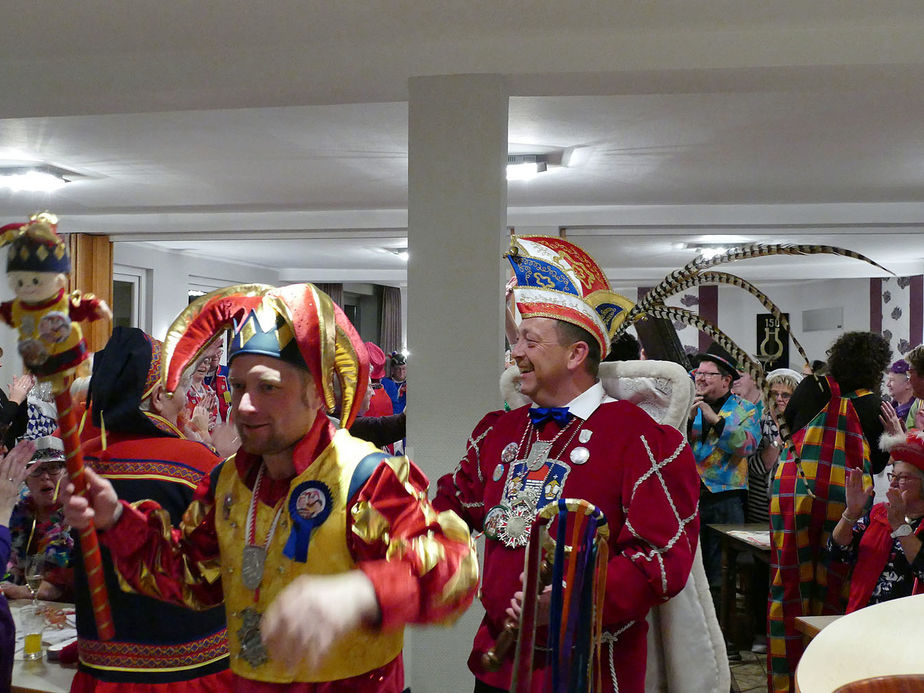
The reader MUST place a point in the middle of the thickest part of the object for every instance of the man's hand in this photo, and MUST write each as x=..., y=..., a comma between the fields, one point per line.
x=313, y=612
x=101, y=504
x=709, y=416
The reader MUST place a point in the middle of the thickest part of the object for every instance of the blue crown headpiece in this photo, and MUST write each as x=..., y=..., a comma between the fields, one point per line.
x=264, y=332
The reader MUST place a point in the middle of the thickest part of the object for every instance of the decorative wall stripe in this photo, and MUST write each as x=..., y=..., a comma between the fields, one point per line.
x=709, y=309
x=916, y=310
x=875, y=305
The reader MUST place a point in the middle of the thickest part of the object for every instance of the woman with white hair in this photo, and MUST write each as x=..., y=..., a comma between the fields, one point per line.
x=781, y=383
x=883, y=544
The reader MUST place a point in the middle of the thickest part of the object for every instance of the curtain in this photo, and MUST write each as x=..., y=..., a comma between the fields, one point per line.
x=335, y=291
x=391, y=319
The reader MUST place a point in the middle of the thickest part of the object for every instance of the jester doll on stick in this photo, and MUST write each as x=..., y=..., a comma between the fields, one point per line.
x=51, y=345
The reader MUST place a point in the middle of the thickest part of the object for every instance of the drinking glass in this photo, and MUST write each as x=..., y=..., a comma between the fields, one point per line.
x=34, y=570
x=32, y=622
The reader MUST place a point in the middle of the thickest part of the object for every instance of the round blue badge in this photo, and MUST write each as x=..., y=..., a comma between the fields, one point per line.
x=309, y=505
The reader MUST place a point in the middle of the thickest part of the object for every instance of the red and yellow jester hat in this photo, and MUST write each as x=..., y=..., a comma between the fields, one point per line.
x=558, y=280
x=298, y=323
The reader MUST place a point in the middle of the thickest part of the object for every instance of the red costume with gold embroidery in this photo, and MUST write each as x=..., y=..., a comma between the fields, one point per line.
x=640, y=474
x=390, y=535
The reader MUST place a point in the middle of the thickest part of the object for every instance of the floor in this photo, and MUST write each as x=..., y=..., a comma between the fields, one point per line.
x=750, y=674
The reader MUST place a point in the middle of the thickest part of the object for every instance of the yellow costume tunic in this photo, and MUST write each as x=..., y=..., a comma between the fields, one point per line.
x=361, y=650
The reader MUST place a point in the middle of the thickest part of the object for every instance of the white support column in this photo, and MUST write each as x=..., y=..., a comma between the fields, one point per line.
x=457, y=200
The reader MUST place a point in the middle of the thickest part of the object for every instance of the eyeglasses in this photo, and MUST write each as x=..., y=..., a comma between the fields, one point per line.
x=49, y=468
x=901, y=478
x=781, y=395
x=706, y=374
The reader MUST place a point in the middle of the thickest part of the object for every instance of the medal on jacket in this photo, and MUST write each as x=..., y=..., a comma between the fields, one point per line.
x=253, y=558
x=252, y=648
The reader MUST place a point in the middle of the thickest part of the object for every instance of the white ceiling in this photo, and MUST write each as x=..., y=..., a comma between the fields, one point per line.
x=199, y=126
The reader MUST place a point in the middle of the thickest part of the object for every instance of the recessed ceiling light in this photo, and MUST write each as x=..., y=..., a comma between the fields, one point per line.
x=400, y=252
x=525, y=166
x=31, y=180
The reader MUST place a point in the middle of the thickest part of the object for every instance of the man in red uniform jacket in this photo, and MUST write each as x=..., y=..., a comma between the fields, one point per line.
x=577, y=443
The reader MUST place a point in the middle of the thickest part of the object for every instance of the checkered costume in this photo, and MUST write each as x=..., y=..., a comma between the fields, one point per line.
x=802, y=584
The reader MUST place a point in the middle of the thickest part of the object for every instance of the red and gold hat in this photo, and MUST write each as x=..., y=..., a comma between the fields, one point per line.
x=298, y=323
x=558, y=280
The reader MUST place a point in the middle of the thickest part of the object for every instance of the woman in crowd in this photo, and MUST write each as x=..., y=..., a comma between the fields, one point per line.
x=883, y=544
x=835, y=426
x=37, y=527
x=12, y=474
x=898, y=383
x=781, y=383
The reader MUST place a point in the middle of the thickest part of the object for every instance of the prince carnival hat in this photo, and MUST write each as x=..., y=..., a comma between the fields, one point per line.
x=558, y=280
x=904, y=447
x=299, y=324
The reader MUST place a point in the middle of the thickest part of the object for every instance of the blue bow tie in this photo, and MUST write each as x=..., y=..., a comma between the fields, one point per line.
x=539, y=415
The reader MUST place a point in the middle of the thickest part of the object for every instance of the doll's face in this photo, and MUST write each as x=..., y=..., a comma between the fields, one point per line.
x=35, y=287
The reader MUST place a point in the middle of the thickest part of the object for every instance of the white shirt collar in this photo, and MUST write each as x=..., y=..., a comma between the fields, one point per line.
x=587, y=402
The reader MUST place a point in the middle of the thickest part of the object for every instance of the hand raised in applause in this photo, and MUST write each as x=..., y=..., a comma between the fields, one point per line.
x=889, y=419
x=855, y=494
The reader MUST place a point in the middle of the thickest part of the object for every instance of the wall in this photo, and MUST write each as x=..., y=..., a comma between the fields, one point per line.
x=168, y=278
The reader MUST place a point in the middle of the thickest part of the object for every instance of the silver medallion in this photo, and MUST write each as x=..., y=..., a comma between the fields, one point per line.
x=515, y=524
x=584, y=435
x=509, y=453
x=252, y=648
x=538, y=455
x=498, y=472
x=580, y=455
x=252, y=561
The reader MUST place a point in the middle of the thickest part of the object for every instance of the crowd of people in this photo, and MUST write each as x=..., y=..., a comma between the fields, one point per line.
x=265, y=541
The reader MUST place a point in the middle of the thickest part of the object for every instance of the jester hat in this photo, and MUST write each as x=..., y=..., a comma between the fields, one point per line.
x=35, y=246
x=298, y=323
x=558, y=280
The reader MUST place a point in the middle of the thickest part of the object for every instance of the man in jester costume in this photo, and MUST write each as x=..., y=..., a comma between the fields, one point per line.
x=320, y=546
x=575, y=441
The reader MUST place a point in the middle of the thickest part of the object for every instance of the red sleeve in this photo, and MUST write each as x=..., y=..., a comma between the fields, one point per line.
x=180, y=566
x=462, y=491
x=84, y=307
x=654, y=550
x=422, y=563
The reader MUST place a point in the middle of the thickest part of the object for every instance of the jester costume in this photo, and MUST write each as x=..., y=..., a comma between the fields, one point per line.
x=807, y=500
x=640, y=474
x=346, y=507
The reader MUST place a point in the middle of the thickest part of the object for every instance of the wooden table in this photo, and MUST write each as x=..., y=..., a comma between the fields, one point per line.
x=880, y=640
x=731, y=546
x=40, y=676
x=810, y=626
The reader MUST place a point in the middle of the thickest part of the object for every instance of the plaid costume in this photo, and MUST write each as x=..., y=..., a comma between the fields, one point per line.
x=801, y=583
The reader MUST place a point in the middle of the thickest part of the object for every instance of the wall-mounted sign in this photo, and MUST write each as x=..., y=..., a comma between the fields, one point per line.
x=772, y=342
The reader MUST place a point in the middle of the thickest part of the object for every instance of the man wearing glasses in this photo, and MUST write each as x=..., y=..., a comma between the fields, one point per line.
x=723, y=430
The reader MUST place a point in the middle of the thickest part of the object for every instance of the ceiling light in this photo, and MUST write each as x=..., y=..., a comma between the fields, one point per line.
x=31, y=180
x=400, y=252
x=525, y=166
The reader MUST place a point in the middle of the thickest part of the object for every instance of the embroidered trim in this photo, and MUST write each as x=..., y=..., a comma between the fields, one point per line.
x=132, y=656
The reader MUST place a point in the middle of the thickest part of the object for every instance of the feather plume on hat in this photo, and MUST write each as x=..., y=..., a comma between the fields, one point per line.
x=692, y=274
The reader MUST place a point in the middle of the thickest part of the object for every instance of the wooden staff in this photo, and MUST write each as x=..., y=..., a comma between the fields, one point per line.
x=89, y=541
x=507, y=639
